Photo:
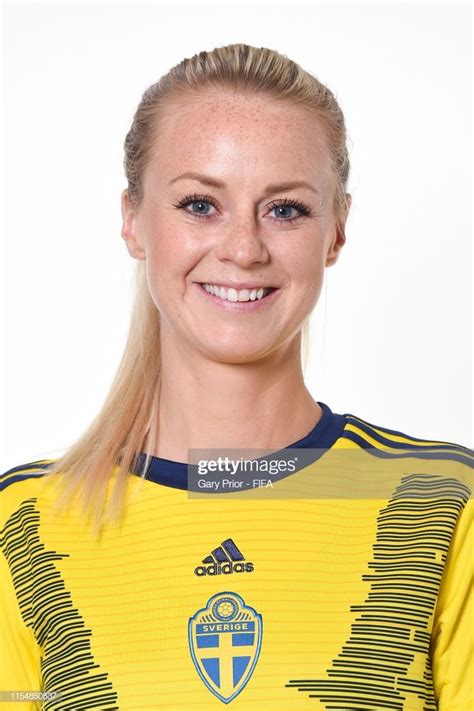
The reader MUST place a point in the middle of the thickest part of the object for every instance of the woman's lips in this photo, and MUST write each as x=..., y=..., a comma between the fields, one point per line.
x=238, y=306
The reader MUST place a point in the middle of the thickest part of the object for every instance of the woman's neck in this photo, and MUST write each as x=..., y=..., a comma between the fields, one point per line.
x=208, y=404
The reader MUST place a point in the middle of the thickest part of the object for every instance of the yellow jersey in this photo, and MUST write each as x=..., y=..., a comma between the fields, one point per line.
x=354, y=594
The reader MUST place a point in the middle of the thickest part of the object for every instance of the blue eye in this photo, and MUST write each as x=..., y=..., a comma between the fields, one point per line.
x=284, y=207
x=290, y=204
x=201, y=201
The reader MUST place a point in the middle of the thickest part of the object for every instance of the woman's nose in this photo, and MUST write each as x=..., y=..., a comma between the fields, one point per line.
x=241, y=241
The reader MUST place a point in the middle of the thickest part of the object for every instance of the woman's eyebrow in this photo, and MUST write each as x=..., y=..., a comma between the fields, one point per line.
x=215, y=183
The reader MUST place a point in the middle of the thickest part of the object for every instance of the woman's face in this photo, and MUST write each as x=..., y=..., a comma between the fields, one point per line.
x=237, y=222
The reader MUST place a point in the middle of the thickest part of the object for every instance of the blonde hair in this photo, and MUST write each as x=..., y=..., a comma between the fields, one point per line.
x=124, y=426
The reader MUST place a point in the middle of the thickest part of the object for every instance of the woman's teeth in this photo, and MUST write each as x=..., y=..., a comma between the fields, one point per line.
x=236, y=294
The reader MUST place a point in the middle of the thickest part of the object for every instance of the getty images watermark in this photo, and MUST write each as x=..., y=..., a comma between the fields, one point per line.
x=342, y=473
x=227, y=474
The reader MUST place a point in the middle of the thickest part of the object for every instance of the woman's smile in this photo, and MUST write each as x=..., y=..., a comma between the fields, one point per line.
x=237, y=301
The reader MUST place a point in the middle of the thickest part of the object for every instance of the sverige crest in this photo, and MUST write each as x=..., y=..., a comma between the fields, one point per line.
x=225, y=638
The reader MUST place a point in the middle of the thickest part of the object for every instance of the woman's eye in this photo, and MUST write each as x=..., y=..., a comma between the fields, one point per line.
x=282, y=212
x=284, y=209
x=202, y=207
x=199, y=205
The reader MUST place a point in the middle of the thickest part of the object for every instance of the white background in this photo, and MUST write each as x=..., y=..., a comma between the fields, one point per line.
x=390, y=337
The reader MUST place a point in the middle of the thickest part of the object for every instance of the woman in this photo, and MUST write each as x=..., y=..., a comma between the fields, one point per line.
x=236, y=203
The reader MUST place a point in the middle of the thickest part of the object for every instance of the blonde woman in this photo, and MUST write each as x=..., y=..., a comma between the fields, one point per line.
x=337, y=578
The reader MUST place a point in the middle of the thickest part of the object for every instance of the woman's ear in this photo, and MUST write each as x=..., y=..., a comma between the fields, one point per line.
x=339, y=239
x=134, y=245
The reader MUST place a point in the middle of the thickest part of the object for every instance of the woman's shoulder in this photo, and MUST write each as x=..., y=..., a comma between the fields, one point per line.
x=390, y=456
x=23, y=472
x=367, y=434
x=22, y=483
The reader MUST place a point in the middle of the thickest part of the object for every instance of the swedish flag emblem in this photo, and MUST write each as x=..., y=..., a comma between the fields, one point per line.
x=225, y=638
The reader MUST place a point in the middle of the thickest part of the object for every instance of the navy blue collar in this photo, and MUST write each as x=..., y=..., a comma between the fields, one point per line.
x=323, y=435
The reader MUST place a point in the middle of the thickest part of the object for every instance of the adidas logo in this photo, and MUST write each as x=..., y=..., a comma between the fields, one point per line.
x=224, y=560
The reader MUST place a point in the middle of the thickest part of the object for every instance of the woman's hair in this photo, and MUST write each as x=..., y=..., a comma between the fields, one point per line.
x=127, y=422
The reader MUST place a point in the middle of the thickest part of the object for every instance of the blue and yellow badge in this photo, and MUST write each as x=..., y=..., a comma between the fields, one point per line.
x=225, y=639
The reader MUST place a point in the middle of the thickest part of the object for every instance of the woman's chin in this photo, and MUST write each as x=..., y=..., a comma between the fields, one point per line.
x=237, y=351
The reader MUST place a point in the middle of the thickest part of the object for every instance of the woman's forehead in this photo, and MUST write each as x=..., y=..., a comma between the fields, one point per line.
x=225, y=111
x=218, y=128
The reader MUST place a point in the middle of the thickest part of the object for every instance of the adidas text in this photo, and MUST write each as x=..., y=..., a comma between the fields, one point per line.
x=223, y=568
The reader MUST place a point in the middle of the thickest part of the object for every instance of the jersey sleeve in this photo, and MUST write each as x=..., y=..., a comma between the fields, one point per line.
x=20, y=655
x=452, y=652
x=20, y=669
